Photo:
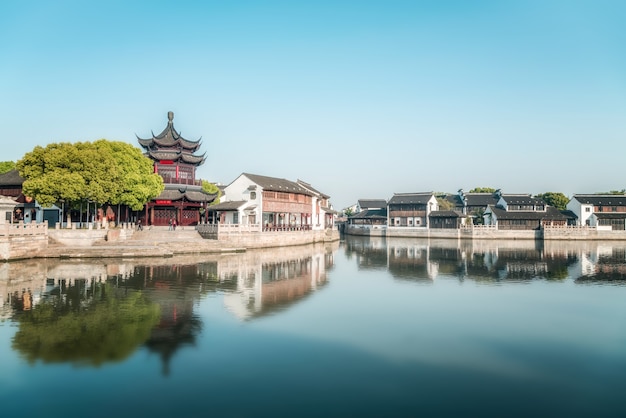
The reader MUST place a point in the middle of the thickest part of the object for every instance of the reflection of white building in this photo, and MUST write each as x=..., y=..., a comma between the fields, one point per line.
x=268, y=280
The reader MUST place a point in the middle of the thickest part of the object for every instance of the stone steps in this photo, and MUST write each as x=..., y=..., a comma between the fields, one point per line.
x=163, y=234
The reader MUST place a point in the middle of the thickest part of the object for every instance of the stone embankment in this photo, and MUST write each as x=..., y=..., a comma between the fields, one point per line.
x=150, y=242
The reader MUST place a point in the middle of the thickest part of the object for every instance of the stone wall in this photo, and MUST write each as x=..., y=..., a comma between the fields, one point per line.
x=22, y=240
x=17, y=247
x=582, y=233
x=277, y=239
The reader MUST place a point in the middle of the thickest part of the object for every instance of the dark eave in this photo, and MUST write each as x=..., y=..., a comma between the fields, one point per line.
x=278, y=185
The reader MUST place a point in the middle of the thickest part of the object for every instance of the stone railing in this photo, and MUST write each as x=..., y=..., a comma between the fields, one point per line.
x=22, y=229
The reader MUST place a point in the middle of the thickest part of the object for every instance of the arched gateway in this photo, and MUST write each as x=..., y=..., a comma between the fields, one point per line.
x=174, y=159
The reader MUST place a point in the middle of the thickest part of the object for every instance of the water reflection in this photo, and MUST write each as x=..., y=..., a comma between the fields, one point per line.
x=97, y=311
x=490, y=261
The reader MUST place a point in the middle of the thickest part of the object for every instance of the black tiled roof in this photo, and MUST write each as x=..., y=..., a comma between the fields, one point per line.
x=601, y=199
x=410, y=198
x=444, y=214
x=278, y=185
x=227, y=206
x=480, y=199
x=192, y=194
x=551, y=213
x=371, y=213
x=372, y=203
x=610, y=215
x=522, y=199
x=569, y=214
x=312, y=189
x=11, y=178
x=169, y=137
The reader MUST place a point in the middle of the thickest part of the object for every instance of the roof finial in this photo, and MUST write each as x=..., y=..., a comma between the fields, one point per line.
x=170, y=116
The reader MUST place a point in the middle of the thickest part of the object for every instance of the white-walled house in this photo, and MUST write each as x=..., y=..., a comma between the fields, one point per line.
x=273, y=204
x=7, y=206
x=605, y=211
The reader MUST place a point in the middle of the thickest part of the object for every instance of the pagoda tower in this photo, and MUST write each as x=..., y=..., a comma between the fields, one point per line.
x=175, y=160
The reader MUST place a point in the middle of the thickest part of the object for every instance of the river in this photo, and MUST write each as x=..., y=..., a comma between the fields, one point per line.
x=362, y=327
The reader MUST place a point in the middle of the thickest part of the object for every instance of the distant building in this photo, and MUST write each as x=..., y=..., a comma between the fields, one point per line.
x=606, y=211
x=522, y=212
x=411, y=209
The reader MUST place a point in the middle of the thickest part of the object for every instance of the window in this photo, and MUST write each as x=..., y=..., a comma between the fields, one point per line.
x=236, y=217
x=252, y=195
x=587, y=209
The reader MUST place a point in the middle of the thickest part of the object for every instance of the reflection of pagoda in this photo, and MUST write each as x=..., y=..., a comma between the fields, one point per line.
x=175, y=160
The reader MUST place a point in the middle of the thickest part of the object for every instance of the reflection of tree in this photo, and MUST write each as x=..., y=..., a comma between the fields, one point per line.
x=107, y=327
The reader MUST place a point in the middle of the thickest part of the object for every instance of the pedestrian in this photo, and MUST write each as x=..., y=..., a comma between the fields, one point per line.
x=139, y=225
x=171, y=222
x=174, y=224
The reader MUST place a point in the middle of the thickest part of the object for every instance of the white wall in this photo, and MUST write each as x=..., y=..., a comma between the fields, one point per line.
x=238, y=190
x=580, y=210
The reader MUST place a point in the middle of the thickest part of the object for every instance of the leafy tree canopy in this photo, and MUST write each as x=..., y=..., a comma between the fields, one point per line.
x=102, y=171
x=6, y=166
x=556, y=199
x=348, y=212
x=211, y=188
x=444, y=204
x=482, y=190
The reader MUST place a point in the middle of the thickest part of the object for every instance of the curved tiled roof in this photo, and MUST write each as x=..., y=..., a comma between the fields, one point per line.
x=11, y=178
x=169, y=137
x=183, y=193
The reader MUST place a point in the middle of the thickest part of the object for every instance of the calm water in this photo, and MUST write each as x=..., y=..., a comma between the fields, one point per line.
x=364, y=327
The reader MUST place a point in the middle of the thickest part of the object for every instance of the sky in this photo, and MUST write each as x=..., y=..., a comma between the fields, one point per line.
x=362, y=99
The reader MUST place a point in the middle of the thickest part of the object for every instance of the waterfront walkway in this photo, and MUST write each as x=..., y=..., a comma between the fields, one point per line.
x=150, y=242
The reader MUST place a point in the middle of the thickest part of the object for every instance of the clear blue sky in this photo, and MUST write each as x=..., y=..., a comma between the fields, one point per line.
x=360, y=98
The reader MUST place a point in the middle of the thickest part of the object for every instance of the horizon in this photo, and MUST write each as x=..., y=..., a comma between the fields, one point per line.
x=360, y=99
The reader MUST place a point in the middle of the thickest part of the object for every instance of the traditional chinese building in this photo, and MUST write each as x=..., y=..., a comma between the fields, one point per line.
x=175, y=159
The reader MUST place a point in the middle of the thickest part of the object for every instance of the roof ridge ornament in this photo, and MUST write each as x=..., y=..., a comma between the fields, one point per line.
x=170, y=117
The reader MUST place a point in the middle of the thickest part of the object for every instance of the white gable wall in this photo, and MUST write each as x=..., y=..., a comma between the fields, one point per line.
x=583, y=211
x=240, y=189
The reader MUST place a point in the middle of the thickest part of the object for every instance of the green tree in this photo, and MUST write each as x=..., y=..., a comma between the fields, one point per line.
x=348, y=212
x=135, y=182
x=6, y=166
x=556, y=199
x=444, y=204
x=482, y=190
x=211, y=188
x=102, y=171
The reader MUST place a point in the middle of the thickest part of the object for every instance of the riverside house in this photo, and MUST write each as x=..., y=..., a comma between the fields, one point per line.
x=522, y=212
x=272, y=204
x=603, y=211
x=411, y=209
